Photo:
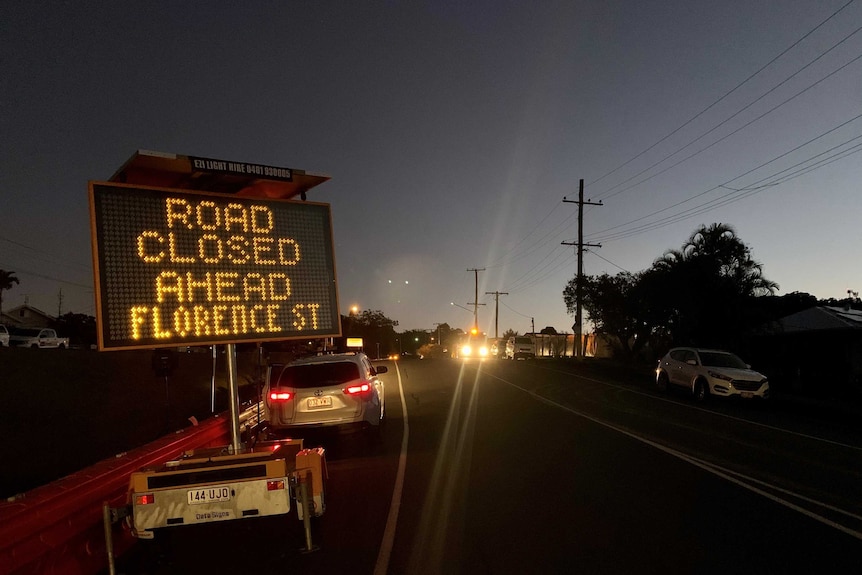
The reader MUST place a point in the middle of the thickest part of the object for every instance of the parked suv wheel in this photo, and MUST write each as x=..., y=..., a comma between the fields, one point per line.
x=661, y=382
x=701, y=391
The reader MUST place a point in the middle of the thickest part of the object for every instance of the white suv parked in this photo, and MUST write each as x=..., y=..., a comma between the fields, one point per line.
x=710, y=372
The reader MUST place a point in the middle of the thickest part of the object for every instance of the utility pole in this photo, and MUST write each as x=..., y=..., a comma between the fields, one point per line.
x=579, y=280
x=60, y=302
x=496, y=295
x=476, y=303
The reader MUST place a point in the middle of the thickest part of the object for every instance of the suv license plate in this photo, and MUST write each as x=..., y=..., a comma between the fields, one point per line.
x=320, y=401
x=747, y=394
x=209, y=494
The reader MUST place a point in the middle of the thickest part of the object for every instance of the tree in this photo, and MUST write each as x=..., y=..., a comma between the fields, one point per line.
x=612, y=304
x=706, y=288
x=78, y=327
x=509, y=333
x=709, y=292
x=374, y=328
x=7, y=280
x=442, y=335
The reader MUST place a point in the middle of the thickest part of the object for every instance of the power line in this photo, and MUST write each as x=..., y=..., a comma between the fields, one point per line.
x=538, y=244
x=607, y=260
x=736, y=131
x=639, y=229
x=48, y=259
x=47, y=277
x=729, y=118
x=501, y=261
x=718, y=202
x=548, y=270
x=731, y=91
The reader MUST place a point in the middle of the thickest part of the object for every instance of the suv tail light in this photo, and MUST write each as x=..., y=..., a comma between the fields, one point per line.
x=279, y=396
x=360, y=389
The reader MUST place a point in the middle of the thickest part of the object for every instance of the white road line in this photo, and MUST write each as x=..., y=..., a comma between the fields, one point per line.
x=748, y=421
x=709, y=468
x=785, y=491
x=382, y=565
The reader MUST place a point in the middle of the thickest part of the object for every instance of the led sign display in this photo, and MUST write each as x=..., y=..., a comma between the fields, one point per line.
x=175, y=267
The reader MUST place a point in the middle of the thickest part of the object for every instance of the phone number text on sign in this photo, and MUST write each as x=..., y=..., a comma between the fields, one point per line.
x=183, y=267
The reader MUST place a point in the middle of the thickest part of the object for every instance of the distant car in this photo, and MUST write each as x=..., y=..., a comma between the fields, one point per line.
x=37, y=338
x=710, y=372
x=4, y=336
x=340, y=390
x=498, y=349
x=519, y=347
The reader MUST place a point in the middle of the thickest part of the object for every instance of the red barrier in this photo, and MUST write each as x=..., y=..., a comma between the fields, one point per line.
x=57, y=528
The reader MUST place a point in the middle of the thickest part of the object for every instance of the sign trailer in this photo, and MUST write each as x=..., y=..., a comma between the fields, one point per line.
x=198, y=251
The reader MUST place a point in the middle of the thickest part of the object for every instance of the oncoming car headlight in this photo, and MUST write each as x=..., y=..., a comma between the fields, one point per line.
x=483, y=351
x=466, y=350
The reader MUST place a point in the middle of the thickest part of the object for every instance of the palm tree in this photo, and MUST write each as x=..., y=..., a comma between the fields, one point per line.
x=7, y=280
x=705, y=284
x=715, y=252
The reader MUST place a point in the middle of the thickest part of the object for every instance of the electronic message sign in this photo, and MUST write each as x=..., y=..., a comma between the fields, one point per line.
x=175, y=267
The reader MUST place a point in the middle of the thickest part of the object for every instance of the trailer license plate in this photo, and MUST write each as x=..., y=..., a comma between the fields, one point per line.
x=209, y=494
x=320, y=401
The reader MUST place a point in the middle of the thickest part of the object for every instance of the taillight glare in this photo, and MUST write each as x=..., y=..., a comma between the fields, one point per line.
x=356, y=389
x=278, y=396
x=145, y=499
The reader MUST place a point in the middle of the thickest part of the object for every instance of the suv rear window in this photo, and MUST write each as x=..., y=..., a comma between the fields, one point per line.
x=318, y=374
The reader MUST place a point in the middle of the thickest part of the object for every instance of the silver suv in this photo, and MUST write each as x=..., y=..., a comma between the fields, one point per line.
x=520, y=347
x=4, y=336
x=710, y=372
x=340, y=390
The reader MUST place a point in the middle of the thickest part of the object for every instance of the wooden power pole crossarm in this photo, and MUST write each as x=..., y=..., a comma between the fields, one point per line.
x=579, y=281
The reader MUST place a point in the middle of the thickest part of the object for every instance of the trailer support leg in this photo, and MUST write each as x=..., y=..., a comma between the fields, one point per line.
x=109, y=538
x=300, y=490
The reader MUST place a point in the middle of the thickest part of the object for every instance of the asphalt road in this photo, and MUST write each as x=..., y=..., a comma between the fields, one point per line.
x=557, y=467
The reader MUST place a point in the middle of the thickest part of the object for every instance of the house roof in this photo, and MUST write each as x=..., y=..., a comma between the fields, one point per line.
x=822, y=318
x=26, y=316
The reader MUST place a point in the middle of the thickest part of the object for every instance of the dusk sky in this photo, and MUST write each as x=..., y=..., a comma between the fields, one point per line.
x=452, y=131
